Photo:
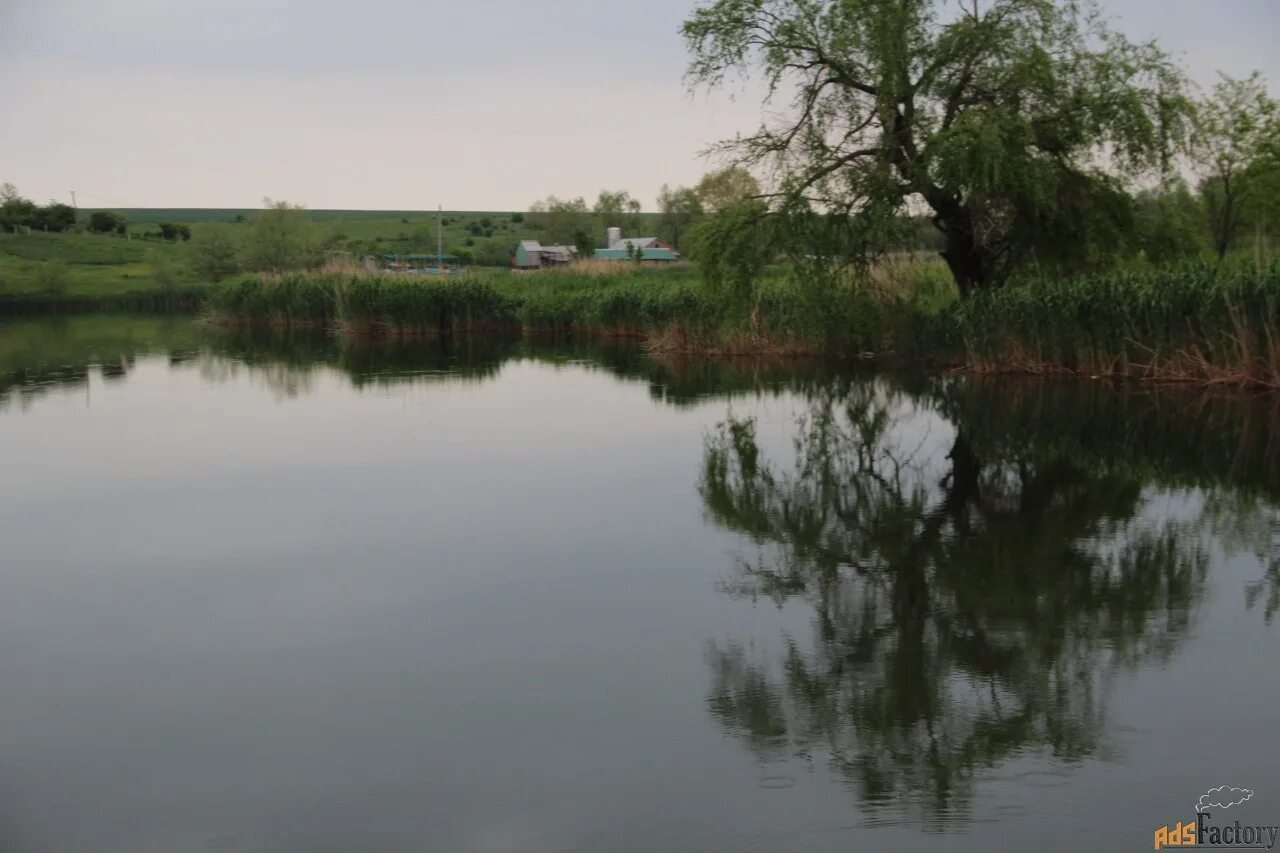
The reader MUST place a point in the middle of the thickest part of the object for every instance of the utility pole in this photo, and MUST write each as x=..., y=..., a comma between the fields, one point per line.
x=75, y=207
x=440, y=239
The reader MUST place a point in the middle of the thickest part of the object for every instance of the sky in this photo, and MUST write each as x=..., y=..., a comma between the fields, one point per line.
x=410, y=104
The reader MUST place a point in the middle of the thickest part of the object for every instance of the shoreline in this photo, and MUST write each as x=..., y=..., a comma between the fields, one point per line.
x=1182, y=368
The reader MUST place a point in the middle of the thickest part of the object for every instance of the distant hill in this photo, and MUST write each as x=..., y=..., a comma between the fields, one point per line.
x=152, y=215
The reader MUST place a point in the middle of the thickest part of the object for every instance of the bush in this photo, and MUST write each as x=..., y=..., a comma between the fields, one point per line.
x=54, y=217
x=52, y=277
x=213, y=254
x=282, y=239
x=174, y=232
x=105, y=221
x=163, y=272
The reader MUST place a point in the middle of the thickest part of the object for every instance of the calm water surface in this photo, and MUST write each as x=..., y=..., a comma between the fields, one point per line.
x=290, y=595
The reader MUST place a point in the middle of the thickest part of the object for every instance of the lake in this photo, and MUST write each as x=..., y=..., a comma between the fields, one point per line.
x=269, y=593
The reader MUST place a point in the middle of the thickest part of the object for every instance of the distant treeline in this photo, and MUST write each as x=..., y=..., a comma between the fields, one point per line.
x=17, y=212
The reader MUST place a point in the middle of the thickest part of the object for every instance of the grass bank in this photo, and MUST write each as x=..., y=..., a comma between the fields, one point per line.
x=75, y=273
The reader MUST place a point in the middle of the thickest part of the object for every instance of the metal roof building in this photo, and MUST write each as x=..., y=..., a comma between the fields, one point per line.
x=648, y=249
x=638, y=242
x=655, y=254
x=532, y=255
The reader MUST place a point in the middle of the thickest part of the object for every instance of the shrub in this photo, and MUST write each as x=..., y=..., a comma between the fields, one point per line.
x=174, y=232
x=105, y=221
x=213, y=254
x=52, y=277
x=163, y=272
x=281, y=239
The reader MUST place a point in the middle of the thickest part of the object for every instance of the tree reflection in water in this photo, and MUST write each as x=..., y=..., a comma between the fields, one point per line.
x=969, y=605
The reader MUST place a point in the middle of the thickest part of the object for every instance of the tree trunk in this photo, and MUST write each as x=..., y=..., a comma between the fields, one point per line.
x=968, y=262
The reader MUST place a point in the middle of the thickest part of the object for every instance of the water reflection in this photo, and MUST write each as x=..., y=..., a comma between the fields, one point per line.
x=38, y=357
x=981, y=565
x=493, y=603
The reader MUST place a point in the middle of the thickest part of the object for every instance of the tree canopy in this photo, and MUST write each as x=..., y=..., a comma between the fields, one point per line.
x=105, y=221
x=562, y=219
x=726, y=187
x=679, y=209
x=1236, y=129
x=281, y=238
x=16, y=211
x=618, y=208
x=1012, y=122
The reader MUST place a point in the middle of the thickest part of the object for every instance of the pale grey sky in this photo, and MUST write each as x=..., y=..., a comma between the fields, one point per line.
x=405, y=104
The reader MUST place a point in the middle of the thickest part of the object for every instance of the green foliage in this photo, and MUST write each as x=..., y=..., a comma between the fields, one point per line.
x=71, y=249
x=174, y=232
x=617, y=208
x=1236, y=130
x=1170, y=225
x=679, y=208
x=164, y=272
x=725, y=187
x=52, y=277
x=560, y=219
x=733, y=246
x=492, y=253
x=282, y=239
x=994, y=116
x=1199, y=320
x=557, y=300
x=105, y=221
x=15, y=211
x=54, y=217
x=1199, y=323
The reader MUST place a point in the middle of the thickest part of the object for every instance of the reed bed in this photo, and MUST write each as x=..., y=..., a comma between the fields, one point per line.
x=1197, y=324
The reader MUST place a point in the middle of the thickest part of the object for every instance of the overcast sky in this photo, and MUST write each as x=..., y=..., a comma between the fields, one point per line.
x=406, y=104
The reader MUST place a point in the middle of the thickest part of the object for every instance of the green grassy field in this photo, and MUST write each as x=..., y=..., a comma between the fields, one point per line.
x=87, y=265
x=487, y=235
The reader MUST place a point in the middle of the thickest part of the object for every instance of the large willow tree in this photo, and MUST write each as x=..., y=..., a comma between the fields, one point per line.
x=1014, y=122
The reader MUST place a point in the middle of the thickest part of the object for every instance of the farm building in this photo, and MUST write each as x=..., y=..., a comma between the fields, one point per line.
x=654, y=255
x=649, y=250
x=412, y=263
x=532, y=255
